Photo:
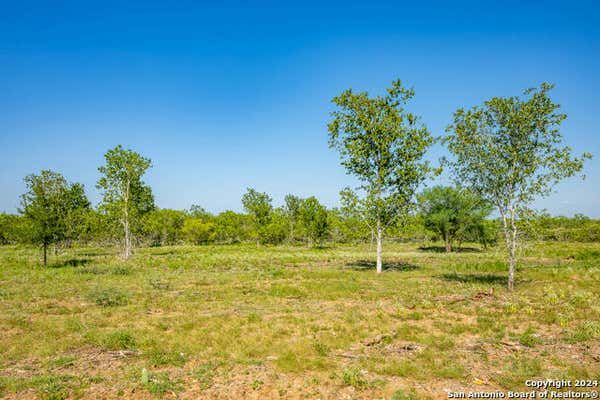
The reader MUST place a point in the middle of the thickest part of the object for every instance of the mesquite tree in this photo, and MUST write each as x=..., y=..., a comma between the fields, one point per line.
x=49, y=206
x=125, y=196
x=510, y=152
x=383, y=145
x=452, y=212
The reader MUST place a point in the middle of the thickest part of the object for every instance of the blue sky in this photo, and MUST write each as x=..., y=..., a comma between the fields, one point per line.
x=236, y=95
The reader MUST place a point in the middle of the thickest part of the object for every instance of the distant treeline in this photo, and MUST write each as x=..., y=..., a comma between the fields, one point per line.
x=299, y=221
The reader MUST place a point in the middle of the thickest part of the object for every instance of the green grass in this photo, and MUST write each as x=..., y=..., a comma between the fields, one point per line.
x=225, y=321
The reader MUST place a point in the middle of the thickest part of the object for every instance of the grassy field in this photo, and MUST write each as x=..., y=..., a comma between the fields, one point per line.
x=289, y=322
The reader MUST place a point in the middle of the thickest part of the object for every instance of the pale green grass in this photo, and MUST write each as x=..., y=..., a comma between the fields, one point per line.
x=201, y=318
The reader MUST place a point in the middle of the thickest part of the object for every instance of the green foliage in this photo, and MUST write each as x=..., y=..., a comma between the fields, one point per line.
x=383, y=145
x=314, y=219
x=454, y=214
x=347, y=227
x=232, y=227
x=292, y=212
x=125, y=197
x=197, y=231
x=260, y=206
x=163, y=226
x=9, y=228
x=52, y=208
x=276, y=230
x=543, y=226
x=510, y=152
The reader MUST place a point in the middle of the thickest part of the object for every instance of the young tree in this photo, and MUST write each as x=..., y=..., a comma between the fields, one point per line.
x=314, y=219
x=510, y=152
x=47, y=206
x=452, y=212
x=382, y=145
x=76, y=209
x=259, y=205
x=125, y=196
x=292, y=211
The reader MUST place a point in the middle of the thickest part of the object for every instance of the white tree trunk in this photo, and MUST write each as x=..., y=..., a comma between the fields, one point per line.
x=513, y=248
x=379, y=247
x=127, y=251
x=510, y=234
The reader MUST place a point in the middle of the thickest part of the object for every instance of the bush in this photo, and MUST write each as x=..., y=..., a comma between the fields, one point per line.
x=197, y=231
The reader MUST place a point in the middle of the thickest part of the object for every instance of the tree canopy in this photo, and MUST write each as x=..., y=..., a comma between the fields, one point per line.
x=382, y=145
x=510, y=152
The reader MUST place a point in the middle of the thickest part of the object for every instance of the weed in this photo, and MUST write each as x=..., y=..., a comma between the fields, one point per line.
x=161, y=357
x=355, y=378
x=160, y=384
x=110, y=297
x=120, y=340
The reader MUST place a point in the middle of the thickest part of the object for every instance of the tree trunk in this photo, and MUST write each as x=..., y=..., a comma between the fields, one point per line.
x=448, y=246
x=127, y=251
x=513, y=247
x=511, y=243
x=379, y=247
x=45, y=257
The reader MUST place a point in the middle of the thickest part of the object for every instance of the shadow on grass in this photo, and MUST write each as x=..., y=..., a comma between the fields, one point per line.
x=93, y=253
x=73, y=262
x=475, y=278
x=365, y=265
x=442, y=249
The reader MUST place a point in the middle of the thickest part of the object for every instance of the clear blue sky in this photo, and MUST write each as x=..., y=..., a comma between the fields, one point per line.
x=236, y=95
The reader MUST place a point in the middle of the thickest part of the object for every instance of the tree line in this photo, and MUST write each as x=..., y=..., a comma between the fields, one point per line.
x=55, y=212
x=503, y=155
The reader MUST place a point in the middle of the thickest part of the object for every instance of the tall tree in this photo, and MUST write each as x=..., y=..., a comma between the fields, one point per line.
x=48, y=206
x=510, y=151
x=383, y=145
x=260, y=206
x=125, y=196
x=452, y=213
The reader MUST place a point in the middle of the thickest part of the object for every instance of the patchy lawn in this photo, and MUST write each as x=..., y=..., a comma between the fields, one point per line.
x=290, y=322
